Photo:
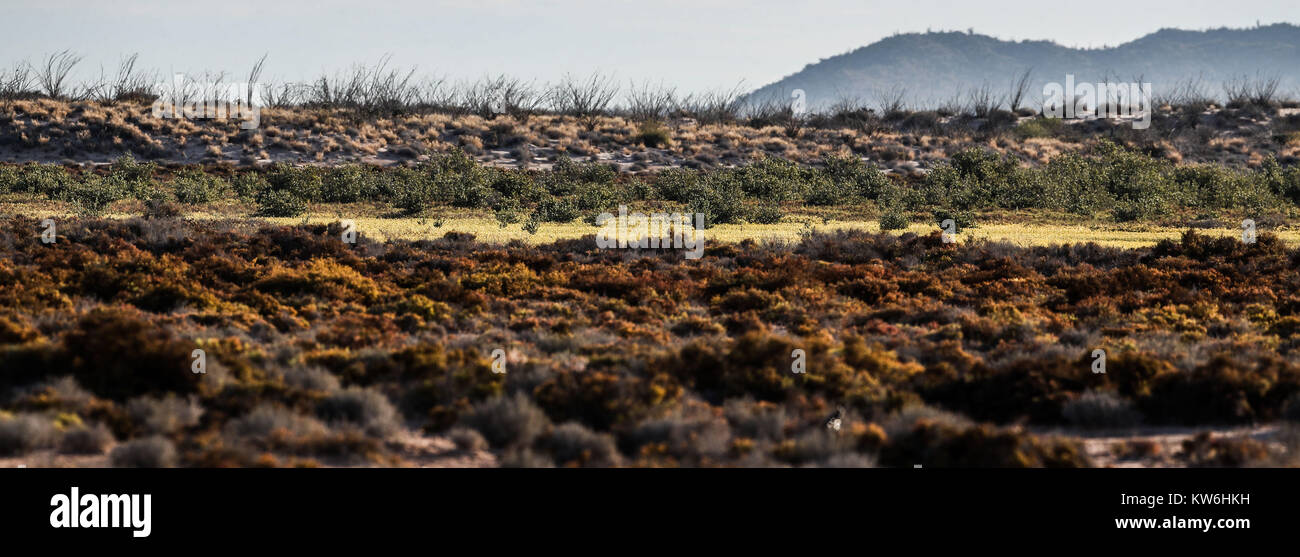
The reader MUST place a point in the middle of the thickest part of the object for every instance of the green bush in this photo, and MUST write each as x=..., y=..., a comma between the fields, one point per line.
x=246, y=185
x=894, y=218
x=8, y=178
x=653, y=134
x=720, y=200
x=196, y=186
x=770, y=179
x=677, y=184
x=137, y=176
x=50, y=180
x=555, y=210
x=303, y=183
x=280, y=203
x=768, y=213
x=851, y=173
x=93, y=194
x=962, y=218
x=348, y=183
x=823, y=191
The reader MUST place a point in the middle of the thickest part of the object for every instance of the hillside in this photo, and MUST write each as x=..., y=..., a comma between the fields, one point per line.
x=937, y=67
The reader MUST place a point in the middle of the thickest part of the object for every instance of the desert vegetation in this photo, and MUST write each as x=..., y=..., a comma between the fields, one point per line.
x=320, y=352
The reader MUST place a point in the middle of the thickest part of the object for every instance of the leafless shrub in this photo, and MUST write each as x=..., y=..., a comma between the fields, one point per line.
x=853, y=112
x=584, y=98
x=16, y=82
x=892, y=102
x=714, y=107
x=282, y=95
x=52, y=75
x=648, y=101
x=1189, y=92
x=126, y=84
x=254, y=75
x=1263, y=92
x=1236, y=91
x=1019, y=88
x=983, y=102
x=378, y=90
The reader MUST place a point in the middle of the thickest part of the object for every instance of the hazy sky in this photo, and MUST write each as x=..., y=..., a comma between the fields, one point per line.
x=691, y=44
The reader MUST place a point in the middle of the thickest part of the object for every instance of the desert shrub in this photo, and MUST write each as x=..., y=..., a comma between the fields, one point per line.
x=720, y=200
x=196, y=186
x=507, y=420
x=149, y=452
x=1143, y=187
x=247, y=185
x=850, y=173
x=961, y=217
x=1072, y=182
x=118, y=354
x=768, y=213
x=524, y=457
x=573, y=443
x=310, y=378
x=1039, y=127
x=555, y=210
x=977, y=178
x=9, y=176
x=1212, y=186
x=467, y=439
x=598, y=173
x=512, y=184
x=280, y=203
x=265, y=421
x=942, y=445
x=1283, y=182
x=365, y=408
x=302, y=182
x=93, y=194
x=769, y=179
x=1291, y=408
x=755, y=420
x=848, y=460
x=86, y=440
x=50, y=180
x=592, y=196
x=25, y=433
x=160, y=207
x=677, y=184
x=823, y=191
x=1100, y=409
x=688, y=437
x=894, y=218
x=653, y=134
x=812, y=446
x=347, y=183
x=1206, y=450
x=137, y=177
x=164, y=416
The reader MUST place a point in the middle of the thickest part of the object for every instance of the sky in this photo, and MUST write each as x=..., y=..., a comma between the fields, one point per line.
x=692, y=45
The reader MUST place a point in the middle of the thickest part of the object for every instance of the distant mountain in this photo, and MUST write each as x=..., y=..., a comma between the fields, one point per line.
x=936, y=67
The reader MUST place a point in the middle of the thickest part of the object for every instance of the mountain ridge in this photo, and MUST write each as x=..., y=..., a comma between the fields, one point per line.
x=938, y=67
